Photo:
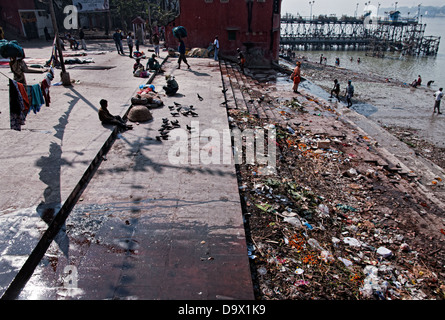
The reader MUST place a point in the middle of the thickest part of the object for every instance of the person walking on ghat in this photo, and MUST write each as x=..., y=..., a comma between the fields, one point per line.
x=156, y=44
x=241, y=59
x=438, y=96
x=296, y=77
x=130, y=44
x=182, y=57
x=349, y=93
x=216, y=47
x=336, y=89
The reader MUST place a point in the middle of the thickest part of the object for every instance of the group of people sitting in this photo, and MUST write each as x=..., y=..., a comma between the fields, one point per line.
x=152, y=65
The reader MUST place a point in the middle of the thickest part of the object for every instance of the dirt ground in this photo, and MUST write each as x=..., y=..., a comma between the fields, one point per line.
x=336, y=221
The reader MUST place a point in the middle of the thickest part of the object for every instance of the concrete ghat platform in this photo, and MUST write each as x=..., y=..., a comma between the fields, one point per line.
x=147, y=228
x=42, y=164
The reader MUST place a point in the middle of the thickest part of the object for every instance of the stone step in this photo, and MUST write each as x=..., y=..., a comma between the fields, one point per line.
x=227, y=85
x=238, y=89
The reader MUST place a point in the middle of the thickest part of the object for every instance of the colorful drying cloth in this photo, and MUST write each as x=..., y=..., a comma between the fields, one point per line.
x=24, y=94
x=46, y=83
x=16, y=106
x=36, y=97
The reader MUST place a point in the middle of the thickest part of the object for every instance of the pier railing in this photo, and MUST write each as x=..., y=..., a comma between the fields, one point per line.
x=363, y=33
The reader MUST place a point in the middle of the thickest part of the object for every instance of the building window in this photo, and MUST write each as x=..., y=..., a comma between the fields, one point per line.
x=224, y=1
x=208, y=1
x=261, y=0
x=232, y=35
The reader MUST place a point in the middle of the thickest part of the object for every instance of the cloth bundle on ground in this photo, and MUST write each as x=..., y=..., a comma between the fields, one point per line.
x=149, y=102
x=139, y=113
x=198, y=52
x=139, y=55
x=78, y=61
x=141, y=73
x=172, y=52
x=148, y=98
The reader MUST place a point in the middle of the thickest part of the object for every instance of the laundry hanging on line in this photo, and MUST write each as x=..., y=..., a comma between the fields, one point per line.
x=24, y=98
x=44, y=86
x=16, y=106
x=36, y=97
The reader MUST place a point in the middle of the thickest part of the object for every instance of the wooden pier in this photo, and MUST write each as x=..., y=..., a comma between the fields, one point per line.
x=406, y=36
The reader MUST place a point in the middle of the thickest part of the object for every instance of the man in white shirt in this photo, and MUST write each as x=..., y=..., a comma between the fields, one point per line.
x=216, y=46
x=438, y=95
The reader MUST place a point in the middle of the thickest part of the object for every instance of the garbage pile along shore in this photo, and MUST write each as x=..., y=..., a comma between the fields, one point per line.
x=336, y=220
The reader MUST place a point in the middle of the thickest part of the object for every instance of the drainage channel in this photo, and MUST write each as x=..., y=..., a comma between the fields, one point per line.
x=18, y=283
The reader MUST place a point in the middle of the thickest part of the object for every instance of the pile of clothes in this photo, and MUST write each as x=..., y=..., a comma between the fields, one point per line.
x=148, y=97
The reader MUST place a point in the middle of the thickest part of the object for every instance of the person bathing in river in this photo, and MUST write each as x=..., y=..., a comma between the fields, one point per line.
x=417, y=82
x=337, y=62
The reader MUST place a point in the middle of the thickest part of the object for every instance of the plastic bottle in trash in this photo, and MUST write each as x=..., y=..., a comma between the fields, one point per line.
x=291, y=131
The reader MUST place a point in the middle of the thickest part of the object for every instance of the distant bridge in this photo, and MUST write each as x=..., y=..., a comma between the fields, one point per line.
x=378, y=36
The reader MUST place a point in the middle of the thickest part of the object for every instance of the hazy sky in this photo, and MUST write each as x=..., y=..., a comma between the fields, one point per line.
x=348, y=7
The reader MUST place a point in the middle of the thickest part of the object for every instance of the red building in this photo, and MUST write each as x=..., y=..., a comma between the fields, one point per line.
x=22, y=17
x=251, y=25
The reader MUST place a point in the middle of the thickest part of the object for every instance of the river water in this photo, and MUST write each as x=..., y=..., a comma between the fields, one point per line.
x=386, y=104
x=393, y=65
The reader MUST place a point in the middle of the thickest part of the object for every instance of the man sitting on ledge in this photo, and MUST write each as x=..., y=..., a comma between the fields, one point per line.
x=107, y=118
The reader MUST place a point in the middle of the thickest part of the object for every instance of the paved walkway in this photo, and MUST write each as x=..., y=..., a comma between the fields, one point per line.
x=147, y=228
x=43, y=163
